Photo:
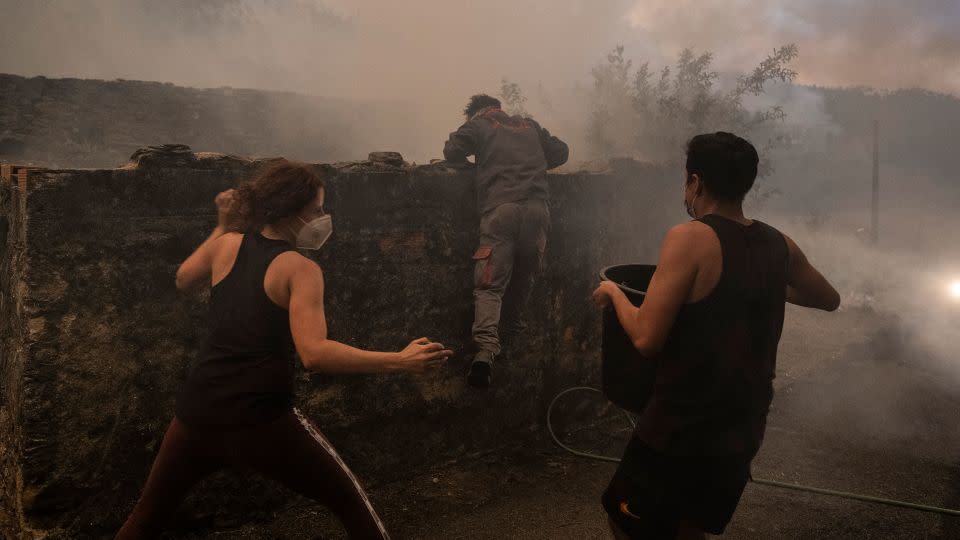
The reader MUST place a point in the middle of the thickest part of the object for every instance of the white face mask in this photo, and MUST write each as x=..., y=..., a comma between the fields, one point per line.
x=315, y=233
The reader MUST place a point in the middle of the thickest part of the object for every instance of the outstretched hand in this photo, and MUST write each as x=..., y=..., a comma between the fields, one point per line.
x=423, y=354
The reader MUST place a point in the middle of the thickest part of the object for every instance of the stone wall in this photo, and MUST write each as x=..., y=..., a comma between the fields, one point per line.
x=93, y=358
x=12, y=328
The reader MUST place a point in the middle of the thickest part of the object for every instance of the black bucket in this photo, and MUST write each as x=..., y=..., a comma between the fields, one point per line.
x=627, y=375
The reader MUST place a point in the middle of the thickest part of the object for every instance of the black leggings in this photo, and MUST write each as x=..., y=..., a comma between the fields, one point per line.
x=289, y=450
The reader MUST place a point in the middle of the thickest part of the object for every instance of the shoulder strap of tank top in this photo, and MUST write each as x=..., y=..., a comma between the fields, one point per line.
x=740, y=261
x=778, y=241
x=732, y=249
x=242, y=250
x=723, y=228
x=267, y=249
x=254, y=253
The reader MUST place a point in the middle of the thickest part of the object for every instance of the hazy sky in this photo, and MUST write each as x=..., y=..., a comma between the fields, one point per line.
x=434, y=49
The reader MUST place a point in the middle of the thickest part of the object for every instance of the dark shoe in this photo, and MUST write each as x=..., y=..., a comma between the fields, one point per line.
x=481, y=370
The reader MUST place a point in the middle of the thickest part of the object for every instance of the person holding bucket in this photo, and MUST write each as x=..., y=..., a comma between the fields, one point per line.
x=236, y=408
x=710, y=324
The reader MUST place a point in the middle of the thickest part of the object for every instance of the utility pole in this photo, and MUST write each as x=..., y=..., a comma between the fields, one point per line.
x=875, y=209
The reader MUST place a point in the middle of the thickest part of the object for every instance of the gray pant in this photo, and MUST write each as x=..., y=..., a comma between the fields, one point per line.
x=513, y=237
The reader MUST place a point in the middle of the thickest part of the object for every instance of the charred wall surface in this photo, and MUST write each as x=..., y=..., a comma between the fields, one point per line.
x=12, y=328
x=92, y=365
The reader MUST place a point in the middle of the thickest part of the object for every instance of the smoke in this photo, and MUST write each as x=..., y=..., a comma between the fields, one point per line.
x=419, y=60
x=884, y=370
x=360, y=49
x=415, y=62
x=881, y=44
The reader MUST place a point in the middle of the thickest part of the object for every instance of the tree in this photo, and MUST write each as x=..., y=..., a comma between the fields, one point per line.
x=512, y=98
x=650, y=117
x=612, y=114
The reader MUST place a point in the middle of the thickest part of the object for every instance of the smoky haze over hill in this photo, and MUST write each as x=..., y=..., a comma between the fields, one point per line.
x=428, y=56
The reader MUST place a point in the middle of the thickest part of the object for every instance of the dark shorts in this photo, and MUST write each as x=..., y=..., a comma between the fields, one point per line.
x=651, y=494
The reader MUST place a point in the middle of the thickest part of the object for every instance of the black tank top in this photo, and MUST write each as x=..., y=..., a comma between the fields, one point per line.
x=714, y=376
x=245, y=371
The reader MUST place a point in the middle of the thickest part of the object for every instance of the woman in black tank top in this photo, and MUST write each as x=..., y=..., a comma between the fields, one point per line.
x=266, y=308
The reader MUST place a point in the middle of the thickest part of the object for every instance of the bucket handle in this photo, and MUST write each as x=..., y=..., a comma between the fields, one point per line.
x=621, y=285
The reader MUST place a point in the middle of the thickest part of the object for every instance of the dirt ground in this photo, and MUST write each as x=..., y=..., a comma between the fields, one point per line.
x=856, y=410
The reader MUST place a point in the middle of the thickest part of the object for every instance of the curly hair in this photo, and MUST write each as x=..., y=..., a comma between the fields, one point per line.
x=479, y=102
x=280, y=189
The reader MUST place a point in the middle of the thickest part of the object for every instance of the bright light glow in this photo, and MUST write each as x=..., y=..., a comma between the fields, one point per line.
x=954, y=289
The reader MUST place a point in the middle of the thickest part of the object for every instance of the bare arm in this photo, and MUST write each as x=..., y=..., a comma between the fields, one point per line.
x=308, y=326
x=198, y=266
x=649, y=325
x=806, y=286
